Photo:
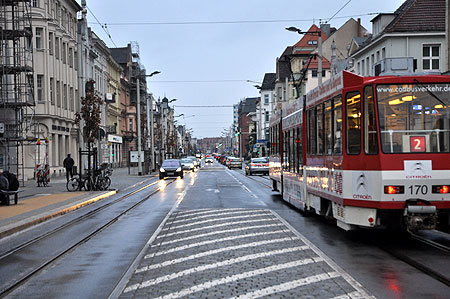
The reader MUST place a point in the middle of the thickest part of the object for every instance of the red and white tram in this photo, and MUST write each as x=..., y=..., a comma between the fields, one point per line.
x=367, y=151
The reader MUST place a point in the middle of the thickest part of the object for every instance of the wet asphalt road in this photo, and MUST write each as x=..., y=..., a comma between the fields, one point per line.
x=96, y=268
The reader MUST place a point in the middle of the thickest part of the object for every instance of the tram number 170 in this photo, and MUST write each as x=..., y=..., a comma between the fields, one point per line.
x=418, y=189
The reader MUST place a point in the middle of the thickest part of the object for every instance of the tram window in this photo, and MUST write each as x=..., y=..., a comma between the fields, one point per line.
x=285, y=152
x=320, y=137
x=327, y=128
x=312, y=131
x=353, y=123
x=370, y=124
x=337, y=125
x=291, y=151
x=298, y=143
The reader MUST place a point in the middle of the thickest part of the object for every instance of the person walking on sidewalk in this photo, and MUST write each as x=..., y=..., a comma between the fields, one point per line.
x=68, y=165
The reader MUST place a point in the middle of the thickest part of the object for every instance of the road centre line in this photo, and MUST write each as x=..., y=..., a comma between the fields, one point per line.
x=219, y=214
x=213, y=226
x=290, y=285
x=229, y=262
x=220, y=232
x=211, y=252
x=215, y=220
x=180, y=248
x=236, y=277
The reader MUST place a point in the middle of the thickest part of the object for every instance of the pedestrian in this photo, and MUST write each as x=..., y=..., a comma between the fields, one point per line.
x=4, y=185
x=68, y=165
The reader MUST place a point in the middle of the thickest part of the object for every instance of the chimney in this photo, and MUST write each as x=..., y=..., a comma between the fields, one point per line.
x=359, y=28
x=326, y=29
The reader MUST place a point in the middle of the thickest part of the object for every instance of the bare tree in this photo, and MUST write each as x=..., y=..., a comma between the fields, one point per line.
x=91, y=114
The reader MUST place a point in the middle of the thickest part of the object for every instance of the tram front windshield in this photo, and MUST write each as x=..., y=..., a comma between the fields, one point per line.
x=414, y=118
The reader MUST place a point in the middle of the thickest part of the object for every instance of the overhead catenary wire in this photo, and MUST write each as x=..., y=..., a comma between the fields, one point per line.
x=104, y=27
x=231, y=21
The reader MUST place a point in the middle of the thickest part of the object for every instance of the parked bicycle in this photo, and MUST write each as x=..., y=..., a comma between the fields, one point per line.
x=43, y=175
x=99, y=181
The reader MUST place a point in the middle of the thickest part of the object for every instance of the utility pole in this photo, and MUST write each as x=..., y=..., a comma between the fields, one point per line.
x=152, y=140
x=138, y=112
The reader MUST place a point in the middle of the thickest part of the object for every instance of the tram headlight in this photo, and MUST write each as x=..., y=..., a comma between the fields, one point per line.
x=394, y=189
x=440, y=189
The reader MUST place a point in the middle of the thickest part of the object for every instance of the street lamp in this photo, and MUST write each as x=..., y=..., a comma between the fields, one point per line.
x=319, y=34
x=179, y=115
x=138, y=112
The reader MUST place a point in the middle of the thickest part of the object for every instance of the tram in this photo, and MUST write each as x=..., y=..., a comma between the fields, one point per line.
x=370, y=152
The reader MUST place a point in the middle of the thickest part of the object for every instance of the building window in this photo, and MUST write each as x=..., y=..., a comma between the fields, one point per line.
x=383, y=53
x=39, y=38
x=58, y=94
x=50, y=43
x=63, y=54
x=71, y=99
x=70, y=57
x=266, y=99
x=77, y=98
x=39, y=87
x=52, y=91
x=130, y=124
x=35, y=3
x=65, y=96
x=267, y=116
x=57, y=47
x=75, y=60
x=430, y=57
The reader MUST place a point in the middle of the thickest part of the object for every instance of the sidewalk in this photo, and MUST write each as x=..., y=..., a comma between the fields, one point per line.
x=38, y=204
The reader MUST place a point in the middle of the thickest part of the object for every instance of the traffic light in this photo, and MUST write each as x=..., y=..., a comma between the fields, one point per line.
x=236, y=134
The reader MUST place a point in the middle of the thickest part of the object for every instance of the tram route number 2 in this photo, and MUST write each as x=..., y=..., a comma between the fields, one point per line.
x=418, y=189
x=417, y=143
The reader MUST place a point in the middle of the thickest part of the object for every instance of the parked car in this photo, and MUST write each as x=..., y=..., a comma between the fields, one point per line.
x=257, y=165
x=187, y=164
x=170, y=168
x=233, y=162
x=209, y=159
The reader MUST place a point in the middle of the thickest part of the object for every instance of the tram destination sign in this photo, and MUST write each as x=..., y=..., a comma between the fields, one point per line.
x=325, y=90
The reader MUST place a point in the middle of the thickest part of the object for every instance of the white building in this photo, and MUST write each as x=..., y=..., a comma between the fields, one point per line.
x=416, y=29
x=55, y=84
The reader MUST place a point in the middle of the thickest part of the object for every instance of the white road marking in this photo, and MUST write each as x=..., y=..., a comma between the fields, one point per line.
x=355, y=284
x=214, y=220
x=211, y=252
x=352, y=295
x=184, y=214
x=247, y=189
x=220, y=232
x=218, y=214
x=229, y=262
x=290, y=285
x=216, y=241
x=127, y=276
x=163, y=235
x=236, y=277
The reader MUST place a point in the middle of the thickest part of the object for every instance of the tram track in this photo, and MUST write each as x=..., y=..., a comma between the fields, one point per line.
x=420, y=253
x=41, y=265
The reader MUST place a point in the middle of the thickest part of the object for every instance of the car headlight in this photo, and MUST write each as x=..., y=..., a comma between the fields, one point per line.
x=162, y=170
x=178, y=169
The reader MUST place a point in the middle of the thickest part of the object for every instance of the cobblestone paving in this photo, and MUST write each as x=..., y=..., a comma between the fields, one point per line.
x=229, y=253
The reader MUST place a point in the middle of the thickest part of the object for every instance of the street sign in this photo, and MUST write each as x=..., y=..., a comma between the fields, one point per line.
x=134, y=157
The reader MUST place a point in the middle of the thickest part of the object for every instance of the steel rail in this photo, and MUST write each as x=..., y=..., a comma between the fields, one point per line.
x=19, y=282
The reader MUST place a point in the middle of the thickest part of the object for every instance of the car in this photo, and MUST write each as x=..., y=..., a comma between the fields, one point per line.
x=209, y=159
x=257, y=165
x=170, y=168
x=233, y=162
x=187, y=164
x=198, y=156
x=196, y=161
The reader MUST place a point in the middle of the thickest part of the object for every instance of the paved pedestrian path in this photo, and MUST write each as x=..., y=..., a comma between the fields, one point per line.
x=38, y=204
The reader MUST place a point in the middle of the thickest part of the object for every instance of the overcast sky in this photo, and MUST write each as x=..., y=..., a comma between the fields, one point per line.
x=209, y=40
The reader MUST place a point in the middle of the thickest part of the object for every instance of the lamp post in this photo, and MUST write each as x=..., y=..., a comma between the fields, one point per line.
x=138, y=112
x=319, y=34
